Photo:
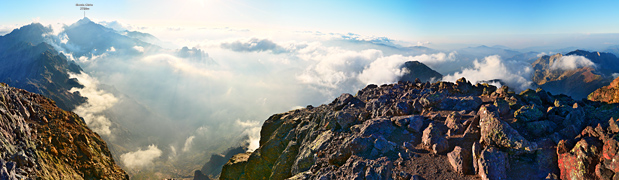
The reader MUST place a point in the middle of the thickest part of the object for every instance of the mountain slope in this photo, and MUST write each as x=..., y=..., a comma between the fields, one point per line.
x=41, y=140
x=609, y=94
x=418, y=70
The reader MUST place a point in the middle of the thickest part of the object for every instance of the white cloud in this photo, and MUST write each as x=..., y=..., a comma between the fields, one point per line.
x=615, y=75
x=336, y=67
x=541, y=54
x=112, y=49
x=115, y=25
x=139, y=48
x=384, y=70
x=97, y=102
x=571, y=62
x=141, y=158
x=435, y=60
x=515, y=75
x=252, y=130
x=188, y=143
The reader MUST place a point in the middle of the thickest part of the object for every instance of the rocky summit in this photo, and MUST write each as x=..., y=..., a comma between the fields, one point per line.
x=40, y=140
x=441, y=130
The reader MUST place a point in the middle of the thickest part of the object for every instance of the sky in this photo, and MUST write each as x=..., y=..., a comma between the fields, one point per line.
x=484, y=22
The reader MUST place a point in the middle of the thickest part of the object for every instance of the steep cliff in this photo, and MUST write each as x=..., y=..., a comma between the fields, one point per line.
x=40, y=140
x=441, y=130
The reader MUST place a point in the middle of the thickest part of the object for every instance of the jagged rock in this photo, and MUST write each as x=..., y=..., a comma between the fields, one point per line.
x=460, y=159
x=305, y=159
x=580, y=162
x=497, y=132
x=493, y=164
x=528, y=114
x=433, y=138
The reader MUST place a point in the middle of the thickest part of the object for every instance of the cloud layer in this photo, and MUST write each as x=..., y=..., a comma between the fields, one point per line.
x=98, y=101
x=141, y=158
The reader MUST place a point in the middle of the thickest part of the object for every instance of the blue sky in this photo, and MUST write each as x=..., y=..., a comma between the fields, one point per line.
x=436, y=21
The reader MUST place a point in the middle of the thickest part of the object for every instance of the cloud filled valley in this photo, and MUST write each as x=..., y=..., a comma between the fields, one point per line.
x=173, y=102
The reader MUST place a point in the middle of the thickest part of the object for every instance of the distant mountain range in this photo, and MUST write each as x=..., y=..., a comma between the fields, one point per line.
x=578, y=82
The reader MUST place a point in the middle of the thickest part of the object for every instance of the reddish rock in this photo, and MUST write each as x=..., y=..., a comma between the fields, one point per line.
x=580, y=162
x=460, y=160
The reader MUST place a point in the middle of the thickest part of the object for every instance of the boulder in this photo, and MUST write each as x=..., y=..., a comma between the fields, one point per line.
x=460, y=159
x=499, y=133
x=528, y=113
x=415, y=123
x=493, y=164
x=576, y=117
x=453, y=122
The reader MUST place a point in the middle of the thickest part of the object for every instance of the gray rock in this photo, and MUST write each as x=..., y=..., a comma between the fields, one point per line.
x=493, y=164
x=498, y=133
